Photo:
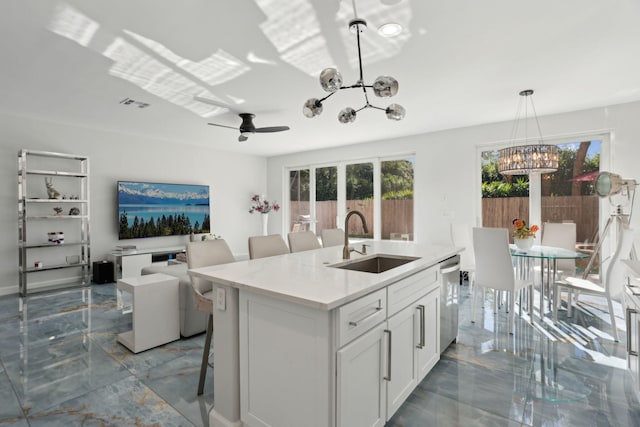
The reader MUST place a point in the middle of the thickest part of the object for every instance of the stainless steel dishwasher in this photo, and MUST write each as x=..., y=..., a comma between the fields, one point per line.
x=449, y=291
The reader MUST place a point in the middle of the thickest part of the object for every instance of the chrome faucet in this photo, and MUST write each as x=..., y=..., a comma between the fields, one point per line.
x=346, y=252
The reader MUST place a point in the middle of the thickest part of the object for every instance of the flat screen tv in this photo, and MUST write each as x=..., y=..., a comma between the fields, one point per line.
x=149, y=209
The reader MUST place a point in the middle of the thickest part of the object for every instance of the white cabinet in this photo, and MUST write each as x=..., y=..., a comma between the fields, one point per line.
x=53, y=220
x=429, y=330
x=377, y=371
x=361, y=393
x=352, y=366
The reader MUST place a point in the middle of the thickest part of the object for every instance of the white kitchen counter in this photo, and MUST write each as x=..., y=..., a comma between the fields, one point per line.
x=272, y=311
x=306, y=278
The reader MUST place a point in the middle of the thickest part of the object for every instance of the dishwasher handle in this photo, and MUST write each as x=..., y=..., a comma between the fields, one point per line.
x=450, y=269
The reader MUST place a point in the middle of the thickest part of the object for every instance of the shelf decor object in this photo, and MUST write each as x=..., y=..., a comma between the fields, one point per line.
x=331, y=81
x=527, y=158
x=51, y=259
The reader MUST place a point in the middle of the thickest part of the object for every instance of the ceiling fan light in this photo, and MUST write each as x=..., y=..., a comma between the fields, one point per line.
x=348, y=115
x=312, y=108
x=385, y=86
x=330, y=79
x=395, y=112
x=246, y=133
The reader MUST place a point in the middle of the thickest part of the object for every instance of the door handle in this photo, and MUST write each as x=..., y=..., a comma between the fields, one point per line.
x=356, y=323
x=388, y=377
x=630, y=311
x=422, y=327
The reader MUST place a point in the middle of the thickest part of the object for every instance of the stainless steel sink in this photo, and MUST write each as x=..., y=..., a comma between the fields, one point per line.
x=375, y=264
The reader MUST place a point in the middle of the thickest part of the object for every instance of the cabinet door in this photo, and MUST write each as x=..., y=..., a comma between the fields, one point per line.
x=403, y=374
x=361, y=366
x=428, y=351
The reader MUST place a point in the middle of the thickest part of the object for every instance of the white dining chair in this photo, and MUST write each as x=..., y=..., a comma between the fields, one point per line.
x=461, y=236
x=332, y=237
x=266, y=246
x=203, y=254
x=303, y=241
x=603, y=287
x=561, y=235
x=494, y=269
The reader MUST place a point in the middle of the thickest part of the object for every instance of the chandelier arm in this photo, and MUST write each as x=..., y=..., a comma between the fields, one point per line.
x=322, y=99
x=362, y=108
x=377, y=108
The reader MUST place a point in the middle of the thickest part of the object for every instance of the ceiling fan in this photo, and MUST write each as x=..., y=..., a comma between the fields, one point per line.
x=247, y=127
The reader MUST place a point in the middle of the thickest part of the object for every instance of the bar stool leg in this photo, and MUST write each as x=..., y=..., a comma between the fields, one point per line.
x=205, y=355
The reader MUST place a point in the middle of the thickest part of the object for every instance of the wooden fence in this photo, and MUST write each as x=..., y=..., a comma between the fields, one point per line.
x=583, y=210
x=397, y=216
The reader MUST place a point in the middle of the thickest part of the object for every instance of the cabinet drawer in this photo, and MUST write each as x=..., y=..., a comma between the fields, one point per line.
x=408, y=290
x=359, y=316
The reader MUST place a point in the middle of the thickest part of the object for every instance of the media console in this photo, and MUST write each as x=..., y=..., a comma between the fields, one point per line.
x=128, y=263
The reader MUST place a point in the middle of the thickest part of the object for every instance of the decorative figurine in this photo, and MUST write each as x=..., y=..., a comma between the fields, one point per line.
x=51, y=192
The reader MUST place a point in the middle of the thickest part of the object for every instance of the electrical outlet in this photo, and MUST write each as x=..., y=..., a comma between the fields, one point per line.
x=221, y=300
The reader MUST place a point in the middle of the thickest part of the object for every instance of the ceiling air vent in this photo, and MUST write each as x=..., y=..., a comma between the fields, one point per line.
x=134, y=103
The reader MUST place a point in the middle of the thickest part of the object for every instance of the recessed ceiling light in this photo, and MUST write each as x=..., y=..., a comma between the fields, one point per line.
x=390, y=29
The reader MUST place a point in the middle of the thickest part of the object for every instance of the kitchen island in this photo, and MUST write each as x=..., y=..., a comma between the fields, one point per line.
x=298, y=341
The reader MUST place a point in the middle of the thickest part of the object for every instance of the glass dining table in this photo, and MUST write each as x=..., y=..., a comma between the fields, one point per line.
x=548, y=256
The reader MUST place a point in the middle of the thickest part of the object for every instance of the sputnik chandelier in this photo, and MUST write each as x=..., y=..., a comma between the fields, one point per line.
x=331, y=81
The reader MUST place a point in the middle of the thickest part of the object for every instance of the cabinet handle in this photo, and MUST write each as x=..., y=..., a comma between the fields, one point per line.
x=422, y=327
x=376, y=310
x=388, y=377
x=630, y=311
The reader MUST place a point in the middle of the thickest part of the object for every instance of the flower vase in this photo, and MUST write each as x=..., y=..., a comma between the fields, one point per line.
x=523, y=244
x=265, y=224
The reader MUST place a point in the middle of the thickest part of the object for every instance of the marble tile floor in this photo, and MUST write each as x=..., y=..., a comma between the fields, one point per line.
x=60, y=364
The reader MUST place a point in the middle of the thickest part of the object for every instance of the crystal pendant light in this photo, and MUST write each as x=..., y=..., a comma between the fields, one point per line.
x=331, y=81
x=526, y=159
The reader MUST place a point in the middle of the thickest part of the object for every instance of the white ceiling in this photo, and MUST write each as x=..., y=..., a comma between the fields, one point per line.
x=459, y=63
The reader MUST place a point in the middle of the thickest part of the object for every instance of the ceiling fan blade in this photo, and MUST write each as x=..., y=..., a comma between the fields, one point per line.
x=222, y=126
x=272, y=129
x=242, y=138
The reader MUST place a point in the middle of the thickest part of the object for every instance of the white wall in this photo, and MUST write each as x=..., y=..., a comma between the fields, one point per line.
x=232, y=178
x=447, y=177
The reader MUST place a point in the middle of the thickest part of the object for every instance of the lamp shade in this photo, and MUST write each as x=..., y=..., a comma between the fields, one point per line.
x=395, y=112
x=348, y=115
x=330, y=79
x=385, y=86
x=608, y=184
x=312, y=108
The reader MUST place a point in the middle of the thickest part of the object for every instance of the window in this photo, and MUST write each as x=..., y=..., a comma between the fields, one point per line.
x=299, y=206
x=326, y=198
x=382, y=189
x=360, y=197
x=566, y=195
x=396, y=184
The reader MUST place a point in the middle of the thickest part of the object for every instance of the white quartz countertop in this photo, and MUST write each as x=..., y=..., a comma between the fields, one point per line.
x=306, y=277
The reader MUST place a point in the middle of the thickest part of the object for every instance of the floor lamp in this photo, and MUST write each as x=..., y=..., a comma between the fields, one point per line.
x=607, y=185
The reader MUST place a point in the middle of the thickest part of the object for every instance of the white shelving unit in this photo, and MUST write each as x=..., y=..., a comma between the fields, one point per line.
x=38, y=258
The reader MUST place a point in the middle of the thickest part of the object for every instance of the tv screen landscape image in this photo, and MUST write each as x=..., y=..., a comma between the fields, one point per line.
x=147, y=209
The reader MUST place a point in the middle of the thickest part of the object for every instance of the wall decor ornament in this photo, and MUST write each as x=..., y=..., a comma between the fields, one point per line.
x=52, y=193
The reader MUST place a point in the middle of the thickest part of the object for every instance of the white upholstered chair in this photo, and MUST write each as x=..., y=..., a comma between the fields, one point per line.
x=303, y=241
x=561, y=235
x=494, y=269
x=461, y=236
x=265, y=246
x=613, y=273
x=332, y=237
x=203, y=254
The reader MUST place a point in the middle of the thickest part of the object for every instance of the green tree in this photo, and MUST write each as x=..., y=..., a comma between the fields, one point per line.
x=397, y=179
x=360, y=181
x=327, y=183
